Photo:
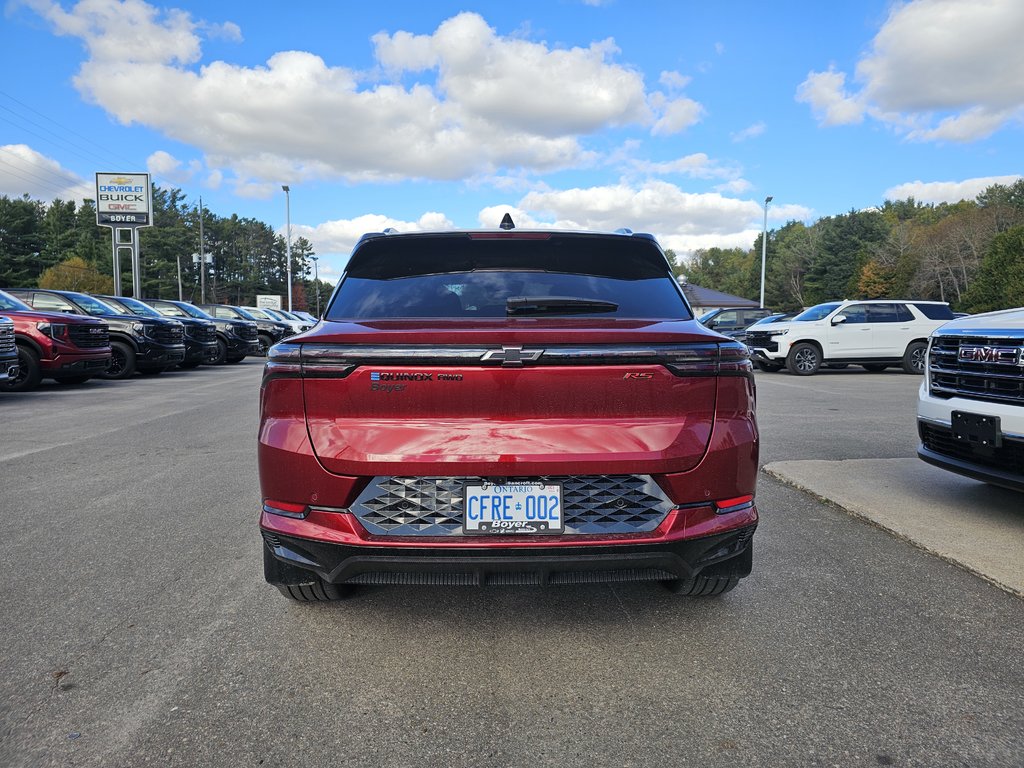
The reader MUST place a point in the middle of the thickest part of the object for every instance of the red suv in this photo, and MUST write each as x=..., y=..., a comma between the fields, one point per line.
x=68, y=348
x=507, y=407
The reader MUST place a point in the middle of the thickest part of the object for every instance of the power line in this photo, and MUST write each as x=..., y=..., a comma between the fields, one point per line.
x=62, y=127
x=55, y=178
x=75, y=148
x=44, y=183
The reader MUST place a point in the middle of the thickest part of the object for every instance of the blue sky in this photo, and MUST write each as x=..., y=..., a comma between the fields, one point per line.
x=676, y=118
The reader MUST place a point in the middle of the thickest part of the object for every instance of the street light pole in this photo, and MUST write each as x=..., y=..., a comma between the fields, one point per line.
x=202, y=256
x=316, y=283
x=288, y=239
x=764, y=246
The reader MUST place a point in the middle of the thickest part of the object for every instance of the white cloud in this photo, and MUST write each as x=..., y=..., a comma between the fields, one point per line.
x=460, y=102
x=678, y=115
x=946, y=191
x=735, y=187
x=695, y=166
x=674, y=80
x=830, y=101
x=23, y=171
x=750, y=132
x=164, y=167
x=680, y=220
x=338, y=237
x=937, y=70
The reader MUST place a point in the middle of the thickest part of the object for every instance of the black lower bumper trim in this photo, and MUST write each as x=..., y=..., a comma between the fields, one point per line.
x=290, y=560
x=87, y=366
x=1014, y=482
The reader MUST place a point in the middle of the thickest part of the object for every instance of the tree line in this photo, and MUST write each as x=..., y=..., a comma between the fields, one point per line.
x=969, y=253
x=59, y=245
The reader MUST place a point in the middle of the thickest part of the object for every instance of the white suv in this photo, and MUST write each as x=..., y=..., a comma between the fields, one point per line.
x=875, y=333
x=970, y=408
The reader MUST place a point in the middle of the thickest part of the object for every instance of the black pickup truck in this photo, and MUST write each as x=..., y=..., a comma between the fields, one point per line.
x=144, y=344
x=200, y=335
x=235, y=338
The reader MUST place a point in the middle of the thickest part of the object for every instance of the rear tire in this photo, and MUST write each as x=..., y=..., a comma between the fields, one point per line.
x=702, y=586
x=804, y=359
x=915, y=359
x=29, y=372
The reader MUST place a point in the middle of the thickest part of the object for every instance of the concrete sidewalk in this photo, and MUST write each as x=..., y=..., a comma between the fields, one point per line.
x=977, y=526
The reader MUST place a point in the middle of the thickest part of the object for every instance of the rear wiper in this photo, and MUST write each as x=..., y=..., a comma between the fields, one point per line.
x=536, y=305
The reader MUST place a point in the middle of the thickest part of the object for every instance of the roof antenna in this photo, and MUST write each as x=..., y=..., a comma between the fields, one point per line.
x=507, y=223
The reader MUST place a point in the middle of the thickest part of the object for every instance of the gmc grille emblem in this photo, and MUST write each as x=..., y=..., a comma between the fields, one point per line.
x=95, y=330
x=994, y=355
x=512, y=357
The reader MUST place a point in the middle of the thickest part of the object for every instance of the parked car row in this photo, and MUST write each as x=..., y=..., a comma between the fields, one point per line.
x=71, y=337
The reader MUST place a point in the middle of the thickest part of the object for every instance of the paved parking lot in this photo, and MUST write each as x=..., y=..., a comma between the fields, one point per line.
x=137, y=629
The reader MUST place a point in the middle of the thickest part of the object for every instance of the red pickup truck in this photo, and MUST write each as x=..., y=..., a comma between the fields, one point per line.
x=54, y=345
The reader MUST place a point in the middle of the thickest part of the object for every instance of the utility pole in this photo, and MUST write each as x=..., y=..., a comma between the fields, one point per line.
x=202, y=256
x=316, y=283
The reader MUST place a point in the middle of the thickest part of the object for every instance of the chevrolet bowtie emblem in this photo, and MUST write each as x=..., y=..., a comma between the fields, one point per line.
x=512, y=357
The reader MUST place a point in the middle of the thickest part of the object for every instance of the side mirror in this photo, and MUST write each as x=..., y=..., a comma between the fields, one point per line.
x=838, y=319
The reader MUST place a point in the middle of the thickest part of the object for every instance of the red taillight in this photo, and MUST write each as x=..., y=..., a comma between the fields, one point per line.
x=285, y=508
x=734, y=504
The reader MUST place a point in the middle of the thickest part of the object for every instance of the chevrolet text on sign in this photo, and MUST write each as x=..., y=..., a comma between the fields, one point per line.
x=123, y=199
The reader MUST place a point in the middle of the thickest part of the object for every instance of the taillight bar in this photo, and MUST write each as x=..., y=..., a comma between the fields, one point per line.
x=337, y=360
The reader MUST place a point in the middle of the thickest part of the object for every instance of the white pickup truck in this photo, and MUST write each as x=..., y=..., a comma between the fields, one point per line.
x=970, y=408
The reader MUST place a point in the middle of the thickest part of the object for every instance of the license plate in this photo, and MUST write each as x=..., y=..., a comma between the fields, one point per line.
x=513, y=507
x=977, y=429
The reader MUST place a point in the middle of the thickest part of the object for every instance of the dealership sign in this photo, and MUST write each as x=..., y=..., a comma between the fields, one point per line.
x=124, y=200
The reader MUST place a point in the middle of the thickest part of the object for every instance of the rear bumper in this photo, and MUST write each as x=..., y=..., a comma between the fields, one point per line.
x=293, y=560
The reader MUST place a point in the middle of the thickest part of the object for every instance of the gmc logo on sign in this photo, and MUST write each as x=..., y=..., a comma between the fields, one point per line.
x=995, y=355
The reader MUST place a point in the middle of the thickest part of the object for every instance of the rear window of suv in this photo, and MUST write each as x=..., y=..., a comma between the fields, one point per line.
x=465, y=276
x=935, y=311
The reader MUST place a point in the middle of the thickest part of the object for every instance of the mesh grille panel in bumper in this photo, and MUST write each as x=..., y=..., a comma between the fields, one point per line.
x=1009, y=457
x=433, y=506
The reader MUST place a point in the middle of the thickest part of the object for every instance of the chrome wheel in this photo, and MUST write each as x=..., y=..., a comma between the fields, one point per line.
x=804, y=359
x=915, y=359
